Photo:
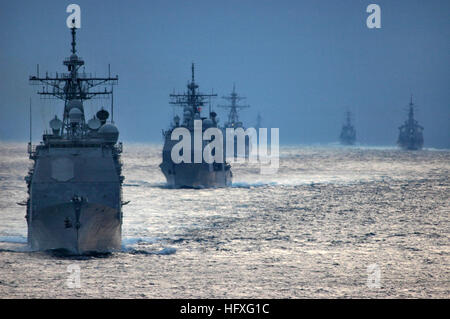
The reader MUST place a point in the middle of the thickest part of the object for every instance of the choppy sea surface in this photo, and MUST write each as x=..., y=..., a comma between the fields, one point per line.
x=323, y=226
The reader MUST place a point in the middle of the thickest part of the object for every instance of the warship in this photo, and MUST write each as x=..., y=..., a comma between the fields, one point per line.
x=234, y=122
x=411, y=133
x=75, y=183
x=193, y=175
x=348, y=132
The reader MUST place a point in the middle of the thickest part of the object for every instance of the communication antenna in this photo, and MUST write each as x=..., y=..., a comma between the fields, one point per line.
x=212, y=93
x=112, y=105
x=30, y=122
x=192, y=98
x=73, y=85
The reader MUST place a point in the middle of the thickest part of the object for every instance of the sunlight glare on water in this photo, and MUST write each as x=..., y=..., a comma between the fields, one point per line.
x=311, y=230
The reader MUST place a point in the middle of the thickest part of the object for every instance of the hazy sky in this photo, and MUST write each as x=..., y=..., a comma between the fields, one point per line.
x=301, y=64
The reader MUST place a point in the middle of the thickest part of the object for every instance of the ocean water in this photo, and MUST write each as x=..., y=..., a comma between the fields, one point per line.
x=339, y=222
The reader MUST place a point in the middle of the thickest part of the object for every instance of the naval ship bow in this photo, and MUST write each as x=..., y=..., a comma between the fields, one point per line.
x=75, y=183
x=193, y=175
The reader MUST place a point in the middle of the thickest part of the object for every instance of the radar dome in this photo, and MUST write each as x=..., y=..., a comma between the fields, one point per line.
x=56, y=123
x=109, y=133
x=94, y=123
x=75, y=115
x=102, y=115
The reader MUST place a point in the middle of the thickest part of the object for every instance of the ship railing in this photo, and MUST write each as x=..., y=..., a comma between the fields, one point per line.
x=31, y=151
x=67, y=60
x=79, y=75
x=61, y=76
x=118, y=148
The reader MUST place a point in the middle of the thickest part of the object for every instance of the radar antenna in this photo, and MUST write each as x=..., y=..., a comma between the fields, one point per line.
x=73, y=85
x=73, y=38
x=192, y=99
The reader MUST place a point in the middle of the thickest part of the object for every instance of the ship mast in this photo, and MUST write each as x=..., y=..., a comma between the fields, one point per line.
x=234, y=98
x=192, y=100
x=258, y=121
x=73, y=85
x=411, y=112
x=348, y=118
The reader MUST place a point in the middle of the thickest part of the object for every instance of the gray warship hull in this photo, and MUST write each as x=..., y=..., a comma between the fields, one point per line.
x=75, y=198
x=193, y=175
x=77, y=229
x=238, y=153
x=201, y=175
x=410, y=144
x=347, y=140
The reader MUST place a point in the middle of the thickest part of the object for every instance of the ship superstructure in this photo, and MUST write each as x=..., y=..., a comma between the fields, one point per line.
x=75, y=183
x=193, y=175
